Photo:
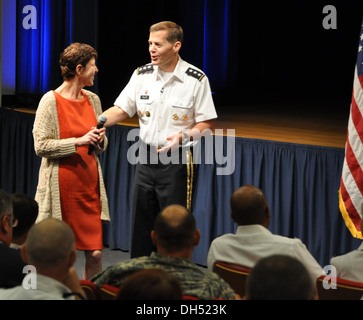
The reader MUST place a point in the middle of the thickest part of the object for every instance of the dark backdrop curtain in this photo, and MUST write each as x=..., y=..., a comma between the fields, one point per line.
x=249, y=49
x=38, y=49
x=59, y=23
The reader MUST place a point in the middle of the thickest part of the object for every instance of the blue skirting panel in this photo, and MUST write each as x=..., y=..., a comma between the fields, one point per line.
x=301, y=183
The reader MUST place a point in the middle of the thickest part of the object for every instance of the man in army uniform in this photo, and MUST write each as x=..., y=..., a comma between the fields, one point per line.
x=175, y=236
x=174, y=104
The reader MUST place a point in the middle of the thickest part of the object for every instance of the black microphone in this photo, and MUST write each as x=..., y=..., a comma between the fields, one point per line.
x=101, y=121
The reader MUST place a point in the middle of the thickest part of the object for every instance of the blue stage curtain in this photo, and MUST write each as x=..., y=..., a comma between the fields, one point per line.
x=119, y=178
x=216, y=51
x=19, y=165
x=301, y=183
x=38, y=49
x=58, y=24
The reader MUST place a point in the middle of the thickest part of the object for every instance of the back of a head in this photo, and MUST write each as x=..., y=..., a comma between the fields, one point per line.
x=26, y=211
x=150, y=284
x=6, y=204
x=279, y=277
x=248, y=205
x=6, y=210
x=175, y=227
x=49, y=243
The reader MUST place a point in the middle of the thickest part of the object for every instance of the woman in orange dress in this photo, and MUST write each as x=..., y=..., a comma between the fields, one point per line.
x=70, y=184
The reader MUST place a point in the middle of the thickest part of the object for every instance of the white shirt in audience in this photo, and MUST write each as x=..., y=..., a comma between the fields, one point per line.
x=46, y=289
x=250, y=243
x=349, y=265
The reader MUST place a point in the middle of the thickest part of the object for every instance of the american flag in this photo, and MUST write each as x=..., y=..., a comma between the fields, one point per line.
x=351, y=186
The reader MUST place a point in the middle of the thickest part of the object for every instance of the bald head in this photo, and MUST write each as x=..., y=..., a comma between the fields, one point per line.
x=174, y=215
x=175, y=228
x=49, y=243
x=249, y=206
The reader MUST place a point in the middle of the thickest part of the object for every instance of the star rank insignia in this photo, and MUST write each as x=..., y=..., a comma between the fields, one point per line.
x=195, y=73
x=145, y=69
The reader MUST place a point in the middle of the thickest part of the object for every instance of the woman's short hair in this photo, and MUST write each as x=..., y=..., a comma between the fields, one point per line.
x=74, y=55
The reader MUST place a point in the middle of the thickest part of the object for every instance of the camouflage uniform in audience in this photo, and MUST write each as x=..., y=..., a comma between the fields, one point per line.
x=195, y=281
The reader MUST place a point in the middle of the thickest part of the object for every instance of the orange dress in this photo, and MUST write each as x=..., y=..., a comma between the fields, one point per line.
x=78, y=175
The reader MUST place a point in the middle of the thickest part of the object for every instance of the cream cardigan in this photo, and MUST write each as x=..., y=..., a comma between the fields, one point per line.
x=48, y=145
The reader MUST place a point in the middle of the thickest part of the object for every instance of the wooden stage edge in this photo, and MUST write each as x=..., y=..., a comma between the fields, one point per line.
x=292, y=125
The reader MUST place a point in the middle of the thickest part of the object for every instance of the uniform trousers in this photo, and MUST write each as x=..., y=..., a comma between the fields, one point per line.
x=157, y=185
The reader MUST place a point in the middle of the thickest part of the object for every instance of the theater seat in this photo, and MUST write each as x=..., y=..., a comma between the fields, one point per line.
x=345, y=289
x=107, y=292
x=90, y=289
x=234, y=274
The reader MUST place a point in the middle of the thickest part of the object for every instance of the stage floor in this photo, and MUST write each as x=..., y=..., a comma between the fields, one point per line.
x=295, y=124
x=302, y=123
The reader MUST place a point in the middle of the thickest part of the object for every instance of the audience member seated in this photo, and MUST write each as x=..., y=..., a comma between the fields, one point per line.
x=150, y=284
x=252, y=240
x=25, y=210
x=50, y=249
x=280, y=277
x=349, y=266
x=11, y=263
x=174, y=236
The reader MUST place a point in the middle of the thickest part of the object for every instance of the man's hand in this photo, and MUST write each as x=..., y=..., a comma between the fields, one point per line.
x=175, y=141
x=72, y=282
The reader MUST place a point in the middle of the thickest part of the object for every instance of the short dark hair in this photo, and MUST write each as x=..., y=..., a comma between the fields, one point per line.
x=25, y=209
x=6, y=204
x=49, y=243
x=177, y=237
x=279, y=277
x=150, y=284
x=175, y=32
x=248, y=205
x=77, y=53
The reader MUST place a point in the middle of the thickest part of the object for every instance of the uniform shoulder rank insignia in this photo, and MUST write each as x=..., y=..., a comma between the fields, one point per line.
x=144, y=69
x=195, y=73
